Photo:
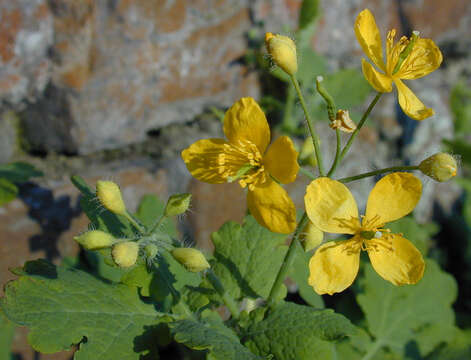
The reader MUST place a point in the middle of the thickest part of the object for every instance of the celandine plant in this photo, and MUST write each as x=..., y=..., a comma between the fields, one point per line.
x=147, y=292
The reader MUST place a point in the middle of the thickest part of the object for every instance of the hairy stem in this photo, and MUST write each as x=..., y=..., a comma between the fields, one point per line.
x=378, y=172
x=315, y=139
x=360, y=125
x=287, y=262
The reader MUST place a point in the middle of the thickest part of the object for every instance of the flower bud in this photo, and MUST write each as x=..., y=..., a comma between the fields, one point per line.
x=440, y=167
x=177, y=204
x=110, y=196
x=311, y=236
x=283, y=52
x=193, y=260
x=125, y=253
x=95, y=240
x=151, y=250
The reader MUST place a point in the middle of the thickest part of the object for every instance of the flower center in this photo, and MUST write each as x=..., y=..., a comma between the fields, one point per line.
x=242, y=162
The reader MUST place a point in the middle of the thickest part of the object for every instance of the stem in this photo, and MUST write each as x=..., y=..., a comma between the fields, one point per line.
x=287, y=262
x=377, y=345
x=157, y=224
x=360, y=124
x=307, y=173
x=378, y=172
x=337, y=154
x=226, y=298
x=288, y=113
x=134, y=221
x=315, y=139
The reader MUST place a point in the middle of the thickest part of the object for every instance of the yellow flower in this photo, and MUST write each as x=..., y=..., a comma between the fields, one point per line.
x=243, y=158
x=331, y=206
x=424, y=58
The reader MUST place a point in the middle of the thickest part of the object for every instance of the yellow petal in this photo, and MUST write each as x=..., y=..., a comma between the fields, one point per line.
x=281, y=160
x=334, y=266
x=393, y=197
x=379, y=81
x=401, y=264
x=410, y=104
x=331, y=206
x=201, y=159
x=368, y=36
x=245, y=121
x=424, y=58
x=271, y=206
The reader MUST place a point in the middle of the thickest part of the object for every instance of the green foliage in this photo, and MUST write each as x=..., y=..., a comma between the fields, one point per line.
x=11, y=174
x=299, y=273
x=418, y=234
x=401, y=318
x=459, y=348
x=297, y=332
x=7, y=331
x=460, y=104
x=308, y=13
x=247, y=257
x=8, y=191
x=211, y=334
x=150, y=209
x=63, y=307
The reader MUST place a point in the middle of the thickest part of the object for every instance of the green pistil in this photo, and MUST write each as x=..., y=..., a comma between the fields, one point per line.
x=406, y=52
x=368, y=235
x=241, y=172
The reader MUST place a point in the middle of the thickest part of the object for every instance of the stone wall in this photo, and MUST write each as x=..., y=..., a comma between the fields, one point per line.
x=112, y=89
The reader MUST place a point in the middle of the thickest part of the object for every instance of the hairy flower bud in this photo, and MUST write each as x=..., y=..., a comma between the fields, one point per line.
x=110, y=196
x=440, y=167
x=125, y=253
x=151, y=250
x=95, y=240
x=283, y=52
x=177, y=204
x=193, y=260
x=311, y=236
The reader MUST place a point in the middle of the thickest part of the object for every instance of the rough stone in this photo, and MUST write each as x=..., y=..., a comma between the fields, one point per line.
x=9, y=135
x=25, y=37
x=125, y=67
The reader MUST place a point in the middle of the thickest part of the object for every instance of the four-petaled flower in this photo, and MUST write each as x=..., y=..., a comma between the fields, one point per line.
x=332, y=208
x=424, y=57
x=243, y=158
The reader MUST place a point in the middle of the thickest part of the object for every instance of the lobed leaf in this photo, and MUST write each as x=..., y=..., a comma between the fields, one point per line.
x=399, y=316
x=297, y=332
x=248, y=257
x=65, y=306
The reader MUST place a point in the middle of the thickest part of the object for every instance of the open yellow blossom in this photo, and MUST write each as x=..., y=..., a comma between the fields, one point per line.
x=331, y=206
x=244, y=157
x=423, y=58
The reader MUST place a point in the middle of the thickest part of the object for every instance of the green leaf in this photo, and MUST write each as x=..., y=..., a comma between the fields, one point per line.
x=170, y=279
x=419, y=234
x=348, y=88
x=398, y=315
x=19, y=172
x=248, y=257
x=297, y=332
x=308, y=13
x=63, y=306
x=299, y=272
x=8, y=191
x=460, y=104
x=212, y=335
x=459, y=348
x=7, y=331
x=100, y=218
x=150, y=210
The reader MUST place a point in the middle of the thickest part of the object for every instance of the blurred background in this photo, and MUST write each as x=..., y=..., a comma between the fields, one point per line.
x=115, y=89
